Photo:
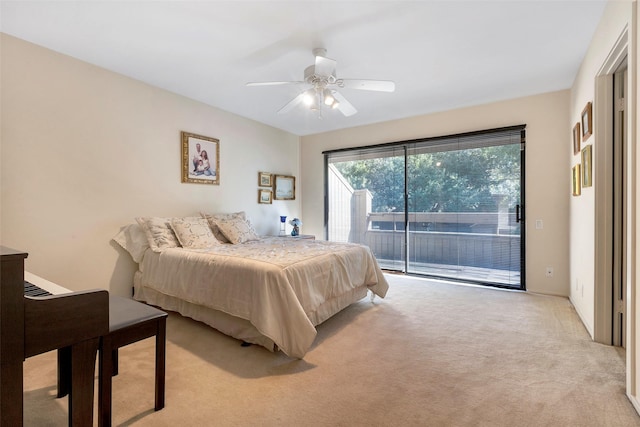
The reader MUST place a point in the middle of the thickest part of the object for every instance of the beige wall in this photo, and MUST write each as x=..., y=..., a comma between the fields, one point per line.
x=615, y=21
x=85, y=150
x=589, y=293
x=547, y=178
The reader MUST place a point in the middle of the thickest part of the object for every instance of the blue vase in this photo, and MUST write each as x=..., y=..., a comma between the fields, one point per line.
x=295, y=231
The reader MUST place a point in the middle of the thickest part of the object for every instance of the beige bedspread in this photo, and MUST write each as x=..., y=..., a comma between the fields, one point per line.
x=277, y=284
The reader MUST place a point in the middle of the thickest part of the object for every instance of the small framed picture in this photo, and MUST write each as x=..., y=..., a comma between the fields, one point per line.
x=586, y=166
x=200, y=159
x=284, y=187
x=587, y=122
x=576, y=138
x=576, y=189
x=264, y=179
x=264, y=196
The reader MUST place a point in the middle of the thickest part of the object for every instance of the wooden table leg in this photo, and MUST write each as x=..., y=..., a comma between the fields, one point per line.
x=83, y=365
x=160, y=362
x=105, y=372
x=64, y=371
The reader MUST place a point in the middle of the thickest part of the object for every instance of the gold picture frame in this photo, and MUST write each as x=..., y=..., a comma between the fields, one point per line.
x=576, y=138
x=587, y=122
x=284, y=187
x=200, y=159
x=586, y=166
x=265, y=179
x=576, y=189
x=265, y=196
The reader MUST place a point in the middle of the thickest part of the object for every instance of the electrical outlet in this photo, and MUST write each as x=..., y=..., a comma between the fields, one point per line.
x=549, y=272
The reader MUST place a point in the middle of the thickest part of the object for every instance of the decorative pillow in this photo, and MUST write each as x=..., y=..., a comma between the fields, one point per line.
x=237, y=230
x=134, y=240
x=159, y=233
x=194, y=232
x=213, y=223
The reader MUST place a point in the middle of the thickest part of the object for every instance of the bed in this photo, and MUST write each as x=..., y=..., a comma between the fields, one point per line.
x=270, y=291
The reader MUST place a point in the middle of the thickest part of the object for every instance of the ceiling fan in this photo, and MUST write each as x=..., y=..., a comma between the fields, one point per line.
x=322, y=87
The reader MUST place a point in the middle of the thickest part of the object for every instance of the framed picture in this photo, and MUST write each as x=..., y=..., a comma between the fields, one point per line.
x=576, y=189
x=264, y=179
x=200, y=159
x=586, y=166
x=284, y=187
x=576, y=138
x=587, y=122
x=264, y=196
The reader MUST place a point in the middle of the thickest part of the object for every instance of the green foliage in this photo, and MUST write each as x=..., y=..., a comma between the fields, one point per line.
x=473, y=180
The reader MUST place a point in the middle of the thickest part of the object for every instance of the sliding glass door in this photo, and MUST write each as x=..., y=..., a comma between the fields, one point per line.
x=463, y=199
x=366, y=200
x=464, y=204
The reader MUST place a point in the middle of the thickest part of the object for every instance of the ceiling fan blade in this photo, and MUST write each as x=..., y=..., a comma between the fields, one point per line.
x=272, y=83
x=325, y=67
x=292, y=104
x=344, y=106
x=377, y=85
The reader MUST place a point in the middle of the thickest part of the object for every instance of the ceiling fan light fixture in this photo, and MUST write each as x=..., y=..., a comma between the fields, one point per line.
x=323, y=93
x=312, y=98
x=309, y=97
x=329, y=100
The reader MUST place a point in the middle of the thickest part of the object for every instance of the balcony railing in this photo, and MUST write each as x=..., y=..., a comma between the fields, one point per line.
x=495, y=250
x=482, y=247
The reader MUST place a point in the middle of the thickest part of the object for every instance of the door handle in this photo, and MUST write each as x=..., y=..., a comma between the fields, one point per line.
x=518, y=218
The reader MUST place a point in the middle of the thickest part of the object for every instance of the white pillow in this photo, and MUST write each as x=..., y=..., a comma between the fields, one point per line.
x=213, y=223
x=194, y=232
x=159, y=233
x=134, y=240
x=237, y=230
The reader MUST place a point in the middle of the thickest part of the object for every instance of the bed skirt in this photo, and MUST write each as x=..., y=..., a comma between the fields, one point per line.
x=235, y=326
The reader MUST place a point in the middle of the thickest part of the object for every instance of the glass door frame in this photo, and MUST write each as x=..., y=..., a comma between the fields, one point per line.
x=520, y=208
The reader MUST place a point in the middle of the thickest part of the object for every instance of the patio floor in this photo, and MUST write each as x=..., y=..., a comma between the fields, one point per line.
x=475, y=275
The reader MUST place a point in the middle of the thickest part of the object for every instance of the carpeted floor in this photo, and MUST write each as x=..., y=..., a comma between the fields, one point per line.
x=430, y=354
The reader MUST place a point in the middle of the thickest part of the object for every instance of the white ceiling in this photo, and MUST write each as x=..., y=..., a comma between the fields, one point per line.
x=441, y=54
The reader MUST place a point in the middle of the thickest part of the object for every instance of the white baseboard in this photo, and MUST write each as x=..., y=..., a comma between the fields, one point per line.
x=634, y=401
x=586, y=325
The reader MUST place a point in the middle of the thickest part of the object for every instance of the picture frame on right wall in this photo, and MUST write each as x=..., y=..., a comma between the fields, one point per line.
x=576, y=138
x=576, y=180
x=587, y=122
x=586, y=166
